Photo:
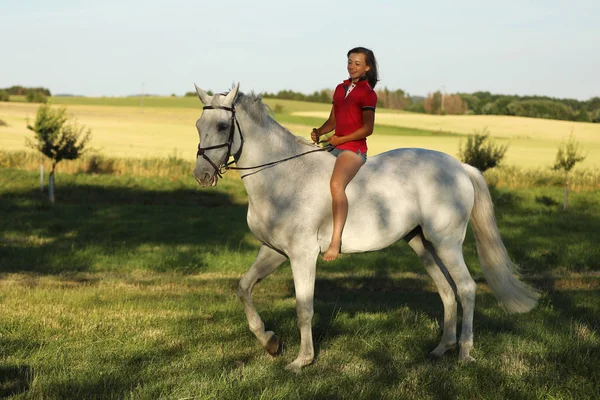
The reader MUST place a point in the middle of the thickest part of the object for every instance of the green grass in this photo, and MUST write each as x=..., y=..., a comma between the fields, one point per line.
x=125, y=288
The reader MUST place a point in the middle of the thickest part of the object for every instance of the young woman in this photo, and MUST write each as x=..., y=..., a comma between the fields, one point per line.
x=352, y=116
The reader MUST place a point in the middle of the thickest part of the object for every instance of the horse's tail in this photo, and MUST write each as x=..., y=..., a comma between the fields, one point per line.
x=500, y=273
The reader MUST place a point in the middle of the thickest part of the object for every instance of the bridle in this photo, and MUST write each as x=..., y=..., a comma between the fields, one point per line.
x=224, y=167
x=221, y=169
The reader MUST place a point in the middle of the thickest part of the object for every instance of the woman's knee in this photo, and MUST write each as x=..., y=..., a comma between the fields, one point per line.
x=337, y=186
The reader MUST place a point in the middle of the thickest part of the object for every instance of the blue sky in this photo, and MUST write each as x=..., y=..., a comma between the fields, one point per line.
x=116, y=48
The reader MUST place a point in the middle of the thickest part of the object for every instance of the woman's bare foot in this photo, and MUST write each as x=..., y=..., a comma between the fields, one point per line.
x=332, y=252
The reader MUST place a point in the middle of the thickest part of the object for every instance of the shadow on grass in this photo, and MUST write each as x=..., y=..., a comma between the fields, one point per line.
x=96, y=227
x=14, y=379
x=517, y=354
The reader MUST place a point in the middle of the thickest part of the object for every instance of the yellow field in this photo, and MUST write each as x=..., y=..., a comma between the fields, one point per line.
x=116, y=131
x=159, y=132
x=499, y=125
x=532, y=141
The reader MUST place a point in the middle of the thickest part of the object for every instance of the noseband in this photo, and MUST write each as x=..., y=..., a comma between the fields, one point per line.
x=220, y=170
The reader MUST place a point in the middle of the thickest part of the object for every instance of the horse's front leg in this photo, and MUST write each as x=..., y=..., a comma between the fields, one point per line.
x=304, y=267
x=266, y=262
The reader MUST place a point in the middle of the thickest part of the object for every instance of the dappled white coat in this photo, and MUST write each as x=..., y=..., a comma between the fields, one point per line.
x=422, y=196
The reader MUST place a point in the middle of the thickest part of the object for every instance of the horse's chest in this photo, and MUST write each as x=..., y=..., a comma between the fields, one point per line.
x=259, y=222
x=274, y=222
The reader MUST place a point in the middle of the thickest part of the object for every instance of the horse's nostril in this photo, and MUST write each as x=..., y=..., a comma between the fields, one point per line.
x=201, y=177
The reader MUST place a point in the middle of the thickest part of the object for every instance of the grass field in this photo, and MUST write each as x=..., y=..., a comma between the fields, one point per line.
x=125, y=288
x=165, y=126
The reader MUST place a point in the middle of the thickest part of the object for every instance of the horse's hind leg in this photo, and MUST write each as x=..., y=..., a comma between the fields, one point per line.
x=450, y=252
x=438, y=272
x=266, y=262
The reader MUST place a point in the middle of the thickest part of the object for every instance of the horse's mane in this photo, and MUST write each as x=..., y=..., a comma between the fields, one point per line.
x=258, y=111
x=253, y=106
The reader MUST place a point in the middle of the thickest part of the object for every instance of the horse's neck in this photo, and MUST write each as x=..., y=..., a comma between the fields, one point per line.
x=271, y=143
x=268, y=143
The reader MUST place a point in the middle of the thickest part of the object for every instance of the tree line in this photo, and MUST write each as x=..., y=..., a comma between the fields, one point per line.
x=479, y=103
x=32, y=95
x=486, y=103
x=322, y=96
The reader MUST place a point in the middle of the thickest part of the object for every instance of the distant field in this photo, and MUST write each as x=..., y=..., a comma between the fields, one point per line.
x=499, y=125
x=164, y=126
x=532, y=141
x=170, y=102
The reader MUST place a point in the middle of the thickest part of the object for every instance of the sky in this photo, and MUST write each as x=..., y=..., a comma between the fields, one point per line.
x=125, y=47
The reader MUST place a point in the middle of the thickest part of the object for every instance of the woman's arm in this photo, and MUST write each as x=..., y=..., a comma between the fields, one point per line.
x=365, y=130
x=327, y=127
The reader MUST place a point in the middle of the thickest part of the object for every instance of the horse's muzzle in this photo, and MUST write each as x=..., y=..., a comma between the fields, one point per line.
x=205, y=179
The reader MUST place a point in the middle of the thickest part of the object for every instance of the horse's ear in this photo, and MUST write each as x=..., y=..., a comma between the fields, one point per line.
x=230, y=98
x=205, y=98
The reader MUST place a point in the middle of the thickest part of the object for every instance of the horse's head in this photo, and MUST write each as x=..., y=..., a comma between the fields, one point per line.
x=218, y=139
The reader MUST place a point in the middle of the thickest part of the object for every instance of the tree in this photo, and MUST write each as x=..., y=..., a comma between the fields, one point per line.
x=481, y=153
x=454, y=105
x=433, y=103
x=57, y=138
x=35, y=96
x=567, y=156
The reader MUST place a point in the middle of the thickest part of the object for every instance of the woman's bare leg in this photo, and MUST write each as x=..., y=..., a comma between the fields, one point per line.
x=346, y=166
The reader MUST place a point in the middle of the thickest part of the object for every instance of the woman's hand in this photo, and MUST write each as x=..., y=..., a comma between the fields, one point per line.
x=314, y=135
x=335, y=140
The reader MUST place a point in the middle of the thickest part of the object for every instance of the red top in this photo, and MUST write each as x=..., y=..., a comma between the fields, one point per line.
x=348, y=111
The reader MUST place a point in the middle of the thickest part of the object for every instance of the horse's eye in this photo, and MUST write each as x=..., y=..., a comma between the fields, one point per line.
x=222, y=126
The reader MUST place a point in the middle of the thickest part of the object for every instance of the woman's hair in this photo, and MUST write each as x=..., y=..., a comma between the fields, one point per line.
x=372, y=74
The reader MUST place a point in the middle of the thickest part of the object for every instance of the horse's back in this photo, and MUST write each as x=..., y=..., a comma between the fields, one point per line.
x=398, y=190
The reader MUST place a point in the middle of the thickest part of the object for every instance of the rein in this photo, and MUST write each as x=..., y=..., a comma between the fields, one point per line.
x=224, y=167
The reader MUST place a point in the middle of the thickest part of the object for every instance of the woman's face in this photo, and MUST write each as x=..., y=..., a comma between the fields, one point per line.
x=357, y=66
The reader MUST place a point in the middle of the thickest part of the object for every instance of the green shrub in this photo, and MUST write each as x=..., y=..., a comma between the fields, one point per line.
x=480, y=152
x=418, y=107
x=34, y=96
x=4, y=96
x=541, y=109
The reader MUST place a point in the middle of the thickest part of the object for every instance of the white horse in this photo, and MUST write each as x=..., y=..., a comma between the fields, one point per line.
x=424, y=197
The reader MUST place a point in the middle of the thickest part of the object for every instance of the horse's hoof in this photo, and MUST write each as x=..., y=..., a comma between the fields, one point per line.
x=273, y=346
x=466, y=360
x=293, y=367
x=440, y=351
